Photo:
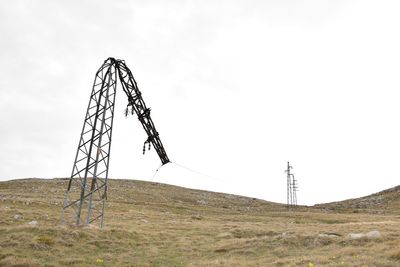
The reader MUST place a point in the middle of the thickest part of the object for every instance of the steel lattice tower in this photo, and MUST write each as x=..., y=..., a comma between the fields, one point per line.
x=291, y=187
x=86, y=193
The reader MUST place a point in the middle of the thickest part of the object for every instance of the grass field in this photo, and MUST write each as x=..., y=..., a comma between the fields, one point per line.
x=151, y=224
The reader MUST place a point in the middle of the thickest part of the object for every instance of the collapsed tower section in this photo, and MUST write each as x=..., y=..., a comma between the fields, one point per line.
x=86, y=193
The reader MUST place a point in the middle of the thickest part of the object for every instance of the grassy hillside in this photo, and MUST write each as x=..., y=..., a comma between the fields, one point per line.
x=151, y=224
x=384, y=202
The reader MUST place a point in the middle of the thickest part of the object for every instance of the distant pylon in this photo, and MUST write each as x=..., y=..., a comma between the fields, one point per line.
x=292, y=187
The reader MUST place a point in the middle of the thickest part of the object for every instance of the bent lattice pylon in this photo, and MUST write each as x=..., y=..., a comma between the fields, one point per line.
x=87, y=188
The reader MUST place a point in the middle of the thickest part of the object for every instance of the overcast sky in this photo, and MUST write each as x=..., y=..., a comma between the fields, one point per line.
x=237, y=89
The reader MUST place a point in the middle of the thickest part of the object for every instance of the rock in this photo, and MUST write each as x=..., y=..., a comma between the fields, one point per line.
x=282, y=235
x=33, y=223
x=370, y=235
x=373, y=235
x=202, y=202
x=330, y=235
x=18, y=217
x=355, y=236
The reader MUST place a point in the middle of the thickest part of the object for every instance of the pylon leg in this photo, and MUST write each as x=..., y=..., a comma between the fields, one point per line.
x=87, y=187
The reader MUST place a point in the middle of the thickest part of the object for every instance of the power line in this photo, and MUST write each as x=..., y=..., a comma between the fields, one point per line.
x=197, y=172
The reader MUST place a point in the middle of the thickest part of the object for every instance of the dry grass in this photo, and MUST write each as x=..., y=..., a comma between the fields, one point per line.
x=150, y=224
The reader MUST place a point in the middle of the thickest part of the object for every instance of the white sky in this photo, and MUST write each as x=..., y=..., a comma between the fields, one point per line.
x=237, y=88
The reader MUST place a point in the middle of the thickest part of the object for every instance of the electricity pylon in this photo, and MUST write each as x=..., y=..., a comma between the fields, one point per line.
x=86, y=193
x=292, y=187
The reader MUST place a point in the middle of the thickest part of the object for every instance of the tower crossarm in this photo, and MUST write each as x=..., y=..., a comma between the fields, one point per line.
x=138, y=106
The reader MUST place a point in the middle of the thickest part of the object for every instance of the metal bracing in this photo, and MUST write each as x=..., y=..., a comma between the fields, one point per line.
x=86, y=193
x=288, y=185
x=294, y=191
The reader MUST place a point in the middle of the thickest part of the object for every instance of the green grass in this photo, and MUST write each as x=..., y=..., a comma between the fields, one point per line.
x=151, y=224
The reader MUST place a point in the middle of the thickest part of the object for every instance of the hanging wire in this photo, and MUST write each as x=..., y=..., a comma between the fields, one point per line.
x=155, y=173
x=197, y=172
x=186, y=168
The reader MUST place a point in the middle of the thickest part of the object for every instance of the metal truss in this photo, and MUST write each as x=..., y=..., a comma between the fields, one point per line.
x=86, y=193
x=137, y=105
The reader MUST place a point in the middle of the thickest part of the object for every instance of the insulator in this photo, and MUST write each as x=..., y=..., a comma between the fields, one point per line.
x=126, y=112
x=149, y=146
